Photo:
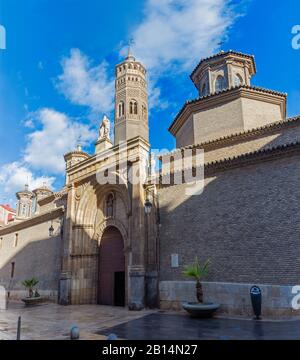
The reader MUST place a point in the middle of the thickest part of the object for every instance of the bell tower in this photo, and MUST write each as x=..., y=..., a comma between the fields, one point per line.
x=131, y=100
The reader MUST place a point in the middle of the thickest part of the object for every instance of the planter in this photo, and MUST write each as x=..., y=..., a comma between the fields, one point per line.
x=33, y=301
x=201, y=310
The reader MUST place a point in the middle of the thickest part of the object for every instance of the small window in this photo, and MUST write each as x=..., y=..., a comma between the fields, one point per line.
x=121, y=108
x=16, y=240
x=12, y=271
x=144, y=111
x=24, y=210
x=220, y=83
x=238, y=81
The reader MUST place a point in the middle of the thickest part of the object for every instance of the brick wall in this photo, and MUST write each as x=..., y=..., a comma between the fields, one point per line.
x=247, y=221
x=35, y=255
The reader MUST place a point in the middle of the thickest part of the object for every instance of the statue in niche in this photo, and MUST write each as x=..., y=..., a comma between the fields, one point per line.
x=110, y=206
x=104, y=129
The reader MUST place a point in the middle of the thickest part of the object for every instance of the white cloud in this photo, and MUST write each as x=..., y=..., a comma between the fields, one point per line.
x=180, y=32
x=85, y=84
x=58, y=135
x=175, y=34
x=14, y=176
x=29, y=123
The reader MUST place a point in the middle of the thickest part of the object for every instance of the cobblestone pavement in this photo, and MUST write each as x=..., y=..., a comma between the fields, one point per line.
x=180, y=326
x=53, y=321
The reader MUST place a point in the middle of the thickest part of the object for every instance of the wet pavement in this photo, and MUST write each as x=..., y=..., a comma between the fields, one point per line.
x=95, y=322
x=164, y=326
x=53, y=322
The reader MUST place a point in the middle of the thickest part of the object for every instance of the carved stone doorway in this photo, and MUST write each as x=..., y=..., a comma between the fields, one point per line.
x=111, y=283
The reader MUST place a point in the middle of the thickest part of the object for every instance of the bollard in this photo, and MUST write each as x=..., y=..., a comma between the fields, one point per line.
x=112, y=337
x=19, y=329
x=3, y=298
x=74, y=333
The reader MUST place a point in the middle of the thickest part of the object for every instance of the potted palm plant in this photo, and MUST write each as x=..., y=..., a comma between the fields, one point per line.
x=198, y=272
x=33, y=295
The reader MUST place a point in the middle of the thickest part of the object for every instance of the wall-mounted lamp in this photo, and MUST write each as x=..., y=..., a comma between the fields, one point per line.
x=148, y=207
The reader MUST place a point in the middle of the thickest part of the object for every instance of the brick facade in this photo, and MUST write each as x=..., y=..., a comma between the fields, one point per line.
x=246, y=221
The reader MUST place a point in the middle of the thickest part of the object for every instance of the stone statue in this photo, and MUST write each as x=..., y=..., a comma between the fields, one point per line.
x=104, y=128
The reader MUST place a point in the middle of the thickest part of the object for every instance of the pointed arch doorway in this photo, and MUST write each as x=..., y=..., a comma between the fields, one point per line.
x=111, y=279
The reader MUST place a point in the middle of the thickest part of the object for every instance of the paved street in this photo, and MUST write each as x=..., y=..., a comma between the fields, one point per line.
x=52, y=321
x=166, y=326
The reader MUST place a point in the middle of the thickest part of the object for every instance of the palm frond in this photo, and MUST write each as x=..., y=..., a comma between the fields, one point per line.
x=197, y=270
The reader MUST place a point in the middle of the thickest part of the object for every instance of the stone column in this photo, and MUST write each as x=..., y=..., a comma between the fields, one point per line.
x=151, y=275
x=136, y=288
x=66, y=268
x=229, y=74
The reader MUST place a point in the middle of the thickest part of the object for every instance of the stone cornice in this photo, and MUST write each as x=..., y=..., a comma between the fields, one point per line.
x=54, y=196
x=77, y=153
x=35, y=220
x=251, y=158
x=89, y=166
x=224, y=54
x=246, y=135
x=225, y=96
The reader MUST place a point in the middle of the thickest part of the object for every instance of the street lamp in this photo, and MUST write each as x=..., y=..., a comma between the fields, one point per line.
x=148, y=207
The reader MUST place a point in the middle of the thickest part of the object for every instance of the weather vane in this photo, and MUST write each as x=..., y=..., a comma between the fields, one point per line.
x=131, y=42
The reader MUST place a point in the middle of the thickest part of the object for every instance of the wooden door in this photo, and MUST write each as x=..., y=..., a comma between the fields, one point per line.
x=111, y=265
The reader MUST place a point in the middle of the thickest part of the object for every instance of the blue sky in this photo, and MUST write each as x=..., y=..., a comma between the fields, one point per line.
x=56, y=75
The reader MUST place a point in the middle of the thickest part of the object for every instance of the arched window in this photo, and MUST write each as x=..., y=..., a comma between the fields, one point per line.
x=121, y=108
x=238, y=80
x=109, y=211
x=133, y=107
x=220, y=83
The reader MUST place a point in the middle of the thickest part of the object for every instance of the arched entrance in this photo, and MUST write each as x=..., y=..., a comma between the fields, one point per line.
x=111, y=283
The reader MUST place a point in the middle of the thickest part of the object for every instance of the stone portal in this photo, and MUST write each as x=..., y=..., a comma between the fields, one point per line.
x=111, y=281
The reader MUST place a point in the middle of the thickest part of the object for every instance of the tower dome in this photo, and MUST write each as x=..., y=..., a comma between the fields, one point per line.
x=24, y=205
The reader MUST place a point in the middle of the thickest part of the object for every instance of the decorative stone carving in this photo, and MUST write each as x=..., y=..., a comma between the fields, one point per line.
x=104, y=129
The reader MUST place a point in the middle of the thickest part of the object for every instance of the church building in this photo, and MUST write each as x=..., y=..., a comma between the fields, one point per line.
x=118, y=234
